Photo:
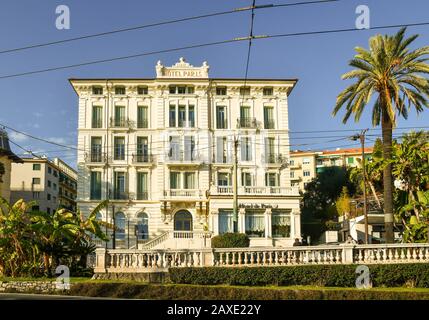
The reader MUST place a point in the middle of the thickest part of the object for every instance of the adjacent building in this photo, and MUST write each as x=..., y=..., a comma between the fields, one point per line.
x=7, y=157
x=43, y=181
x=162, y=151
x=305, y=165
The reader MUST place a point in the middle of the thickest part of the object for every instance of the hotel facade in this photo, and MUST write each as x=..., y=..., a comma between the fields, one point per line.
x=162, y=151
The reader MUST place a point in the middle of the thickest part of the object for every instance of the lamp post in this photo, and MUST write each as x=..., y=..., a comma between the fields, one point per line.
x=361, y=137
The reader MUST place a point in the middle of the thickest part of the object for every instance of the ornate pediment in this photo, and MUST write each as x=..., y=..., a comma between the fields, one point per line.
x=182, y=70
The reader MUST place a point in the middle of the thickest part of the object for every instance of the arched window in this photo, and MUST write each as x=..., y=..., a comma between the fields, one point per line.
x=120, y=226
x=142, y=226
x=183, y=221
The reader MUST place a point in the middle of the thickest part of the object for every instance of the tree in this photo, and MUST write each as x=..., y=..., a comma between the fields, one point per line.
x=393, y=72
x=343, y=203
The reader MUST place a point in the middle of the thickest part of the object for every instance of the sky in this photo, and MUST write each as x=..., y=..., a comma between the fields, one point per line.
x=45, y=104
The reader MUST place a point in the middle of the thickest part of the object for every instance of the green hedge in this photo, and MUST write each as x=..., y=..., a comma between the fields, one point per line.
x=230, y=240
x=388, y=275
x=194, y=292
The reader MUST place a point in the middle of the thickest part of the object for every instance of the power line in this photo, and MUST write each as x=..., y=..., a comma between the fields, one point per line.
x=161, y=23
x=207, y=45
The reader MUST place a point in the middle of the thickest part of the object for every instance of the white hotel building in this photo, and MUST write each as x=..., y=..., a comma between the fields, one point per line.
x=161, y=150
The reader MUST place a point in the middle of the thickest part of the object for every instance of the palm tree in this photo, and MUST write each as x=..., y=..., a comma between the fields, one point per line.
x=393, y=72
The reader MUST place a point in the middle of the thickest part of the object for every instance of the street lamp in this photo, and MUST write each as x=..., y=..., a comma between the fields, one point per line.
x=361, y=137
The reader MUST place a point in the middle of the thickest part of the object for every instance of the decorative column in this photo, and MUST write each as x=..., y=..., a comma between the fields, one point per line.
x=241, y=220
x=268, y=229
x=296, y=223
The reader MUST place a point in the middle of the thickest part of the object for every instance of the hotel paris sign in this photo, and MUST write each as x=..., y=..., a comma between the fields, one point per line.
x=182, y=69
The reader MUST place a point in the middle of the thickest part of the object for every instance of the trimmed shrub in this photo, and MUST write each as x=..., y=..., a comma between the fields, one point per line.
x=231, y=240
x=386, y=275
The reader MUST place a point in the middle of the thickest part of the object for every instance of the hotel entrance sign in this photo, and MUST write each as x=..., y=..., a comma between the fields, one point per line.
x=182, y=69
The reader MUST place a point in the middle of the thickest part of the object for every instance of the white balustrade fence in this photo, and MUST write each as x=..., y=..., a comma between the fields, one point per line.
x=119, y=260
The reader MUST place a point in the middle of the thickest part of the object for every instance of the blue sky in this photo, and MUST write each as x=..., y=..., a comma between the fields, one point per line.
x=45, y=105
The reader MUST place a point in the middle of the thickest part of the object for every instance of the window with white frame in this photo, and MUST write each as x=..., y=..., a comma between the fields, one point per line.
x=255, y=223
x=306, y=173
x=226, y=223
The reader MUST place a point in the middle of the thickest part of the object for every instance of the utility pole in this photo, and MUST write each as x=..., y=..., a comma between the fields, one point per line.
x=361, y=137
x=235, y=187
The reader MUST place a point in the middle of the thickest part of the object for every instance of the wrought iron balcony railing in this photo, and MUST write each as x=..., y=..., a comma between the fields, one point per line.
x=269, y=124
x=95, y=157
x=245, y=122
x=142, y=158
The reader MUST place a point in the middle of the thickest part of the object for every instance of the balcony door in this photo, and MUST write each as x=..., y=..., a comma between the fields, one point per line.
x=183, y=221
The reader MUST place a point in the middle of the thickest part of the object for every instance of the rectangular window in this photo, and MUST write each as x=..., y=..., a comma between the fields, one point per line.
x=221, y=117
x=142, y=117
x=36, y=181
x=268, y=91
x=49, y=183
x=96, y=148
x=351, y=160
x=268, y=118
x=120, y=120
x=119, y=191
x=142, y=190
x=221, y=150
x=36, y=195
x=49, y=196
x=245, y=120
x=172, y=89
x=175, y=152
x=55, y=173
x=142, y=149
x=306, y=161
x=191, y=116
x=48, y=210
x=142, y=90
x=172, y=116
x=246, y=149
x=182, y=116
x=271, y=179
x=120, y=90
x=292, y=174
x=292, y=162
x=36, y=167
x=189, y=180
x=245, y=91
x=54, y=186
x=119, y=146
x=95, y=185
x=97, y=116
x=221, y=91
x=35, y=208
x=270, y=155
x=255, y=224
x=280, y=223
x=223, y=179
x=190, y=90
x=175, y=180
x=181, y=90
x=49, y=170
x=246, y=179
x=97, y=90
x=306, y=173
x=189, y=154
x=226, y=222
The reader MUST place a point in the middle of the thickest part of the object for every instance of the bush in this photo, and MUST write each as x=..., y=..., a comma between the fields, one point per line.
x=386, y=275
x=231, y=240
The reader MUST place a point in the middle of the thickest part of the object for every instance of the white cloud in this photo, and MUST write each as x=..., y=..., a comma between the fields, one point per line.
x=17, y=137
x=37, y=114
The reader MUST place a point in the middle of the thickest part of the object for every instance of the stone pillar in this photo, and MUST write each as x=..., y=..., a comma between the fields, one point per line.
x=214, y=221
x=347, y=253
x=241, y=220
x=268, y=229
x=100, y=260
x=296, y=223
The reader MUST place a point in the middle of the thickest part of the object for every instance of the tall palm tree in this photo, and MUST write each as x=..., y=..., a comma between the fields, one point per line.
x=394, y=73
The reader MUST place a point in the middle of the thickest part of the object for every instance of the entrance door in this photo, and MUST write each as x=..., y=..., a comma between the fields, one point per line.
x=183, y=221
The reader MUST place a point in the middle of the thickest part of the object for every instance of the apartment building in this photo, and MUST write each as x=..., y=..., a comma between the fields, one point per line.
x=305, y=165
x=38, y=180
x=161, y=150
x=67, y=191
x=7, y=157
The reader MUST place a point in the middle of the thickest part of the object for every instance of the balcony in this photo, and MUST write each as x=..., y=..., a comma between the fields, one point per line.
x=275, y=159
x=122, y=195
x=143, y=124
x=121, y=123
x=183, y=193
x=280, y=191
x=183, y=158
x=143, y=195
x=269, y=124
x=142, y=159
x=95, y=157
x=247, y=123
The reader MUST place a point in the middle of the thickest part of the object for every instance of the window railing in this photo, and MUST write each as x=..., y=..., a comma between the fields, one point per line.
x=142, y=195
x=142, y=158
x=222, y=124
x=121, y=123
x=97, y=123
x=247, y=123
x=269, y=124
x=121, y=195
x=142, y=123
x=273, y=158
x=181, y=156
x=95, y=157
